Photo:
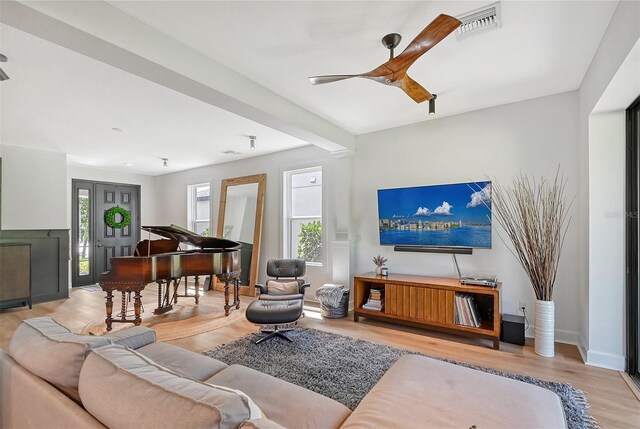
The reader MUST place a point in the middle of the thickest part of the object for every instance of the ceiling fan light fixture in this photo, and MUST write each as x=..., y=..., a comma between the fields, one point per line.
x=252, y=142
x=432, y=105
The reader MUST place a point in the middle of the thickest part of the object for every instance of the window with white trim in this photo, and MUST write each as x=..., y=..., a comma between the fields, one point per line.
x=198, y=207
x=303, y=215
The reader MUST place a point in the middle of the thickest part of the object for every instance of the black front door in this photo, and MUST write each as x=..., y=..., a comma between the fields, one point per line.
x=95, y=242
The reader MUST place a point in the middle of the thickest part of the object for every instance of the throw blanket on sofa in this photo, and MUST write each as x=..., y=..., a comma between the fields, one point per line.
x=330, y=295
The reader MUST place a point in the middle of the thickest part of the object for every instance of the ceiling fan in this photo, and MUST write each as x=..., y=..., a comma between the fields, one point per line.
x=394, y=71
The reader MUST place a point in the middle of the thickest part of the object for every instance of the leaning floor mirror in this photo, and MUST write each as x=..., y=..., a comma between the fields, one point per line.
x=240, y=219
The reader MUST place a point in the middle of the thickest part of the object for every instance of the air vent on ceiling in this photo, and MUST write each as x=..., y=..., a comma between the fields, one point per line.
x=479, y=21
x=231, y=152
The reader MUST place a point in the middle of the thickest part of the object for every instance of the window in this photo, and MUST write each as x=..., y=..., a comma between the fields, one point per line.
x=198, y=208
x=303, y=215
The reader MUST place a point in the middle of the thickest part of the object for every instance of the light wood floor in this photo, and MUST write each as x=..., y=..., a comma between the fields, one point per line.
x=613, y=404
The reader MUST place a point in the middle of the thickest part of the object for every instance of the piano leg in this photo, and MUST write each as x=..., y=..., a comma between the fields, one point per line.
x=197, y=287
x=137, y=305
x=109, y=307
x=164, y=299
x=236, y=292
x=230, y=279
x=123, y=305
x=175, y=289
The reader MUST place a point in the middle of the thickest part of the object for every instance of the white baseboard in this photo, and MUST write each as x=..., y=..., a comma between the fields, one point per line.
x=565, y=337
x=605, y=360
x=561, y=336
x=582, y=348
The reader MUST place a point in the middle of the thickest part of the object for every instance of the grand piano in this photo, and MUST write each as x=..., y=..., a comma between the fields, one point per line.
x=160, y=261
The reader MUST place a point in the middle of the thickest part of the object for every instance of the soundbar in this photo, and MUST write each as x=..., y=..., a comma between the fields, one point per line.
x=429, y=249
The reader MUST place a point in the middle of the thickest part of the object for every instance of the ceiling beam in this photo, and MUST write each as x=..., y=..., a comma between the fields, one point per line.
x=104, y=33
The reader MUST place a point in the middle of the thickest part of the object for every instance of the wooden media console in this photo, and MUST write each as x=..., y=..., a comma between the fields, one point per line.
x=429, y=302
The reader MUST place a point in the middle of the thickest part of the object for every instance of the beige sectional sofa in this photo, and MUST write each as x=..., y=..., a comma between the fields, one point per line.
x=57, y=379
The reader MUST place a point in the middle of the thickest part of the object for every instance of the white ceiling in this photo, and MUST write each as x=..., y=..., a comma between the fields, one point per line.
x=542, y=48
x=60, y=100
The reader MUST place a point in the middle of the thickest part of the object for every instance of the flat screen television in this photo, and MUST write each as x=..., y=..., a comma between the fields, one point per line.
x=453, y=215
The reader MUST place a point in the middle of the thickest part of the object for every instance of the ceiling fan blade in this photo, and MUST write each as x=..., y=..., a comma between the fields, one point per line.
x=414, y=89
x=317, y=80
x=433, y=33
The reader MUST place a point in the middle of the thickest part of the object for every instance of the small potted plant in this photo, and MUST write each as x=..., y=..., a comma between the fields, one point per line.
x=379, y=261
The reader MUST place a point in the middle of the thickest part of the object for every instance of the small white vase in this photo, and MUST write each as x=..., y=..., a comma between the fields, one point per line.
x=378, y=270
x=544, y=328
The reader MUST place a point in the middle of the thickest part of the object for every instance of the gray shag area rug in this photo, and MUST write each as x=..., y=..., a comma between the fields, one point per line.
x=345, y=369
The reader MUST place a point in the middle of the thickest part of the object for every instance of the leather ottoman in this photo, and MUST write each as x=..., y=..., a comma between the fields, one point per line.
x=265, y=312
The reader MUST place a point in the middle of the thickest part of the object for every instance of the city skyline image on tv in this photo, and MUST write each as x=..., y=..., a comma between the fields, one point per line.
x=452, y=215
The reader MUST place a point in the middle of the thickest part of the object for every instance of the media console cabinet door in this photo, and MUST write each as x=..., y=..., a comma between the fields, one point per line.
x=422, y=304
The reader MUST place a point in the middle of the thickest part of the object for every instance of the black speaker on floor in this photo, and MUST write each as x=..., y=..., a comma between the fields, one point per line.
x=512, y=329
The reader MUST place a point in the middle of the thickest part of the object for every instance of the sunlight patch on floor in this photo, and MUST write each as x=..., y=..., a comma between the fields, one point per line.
x=312, y=312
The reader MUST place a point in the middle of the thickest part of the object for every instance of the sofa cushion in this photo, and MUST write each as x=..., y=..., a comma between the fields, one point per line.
x=275, y=287
x=115, y=378
x=262, y=423
x=133, y=337
x=183, y=362
x=444, y=395
x=52, y=352
x=284, y=403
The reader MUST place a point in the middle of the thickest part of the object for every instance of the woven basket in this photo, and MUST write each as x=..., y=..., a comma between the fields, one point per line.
x=336, y=312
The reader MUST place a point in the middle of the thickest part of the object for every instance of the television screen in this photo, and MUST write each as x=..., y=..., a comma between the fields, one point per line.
x=455, y=215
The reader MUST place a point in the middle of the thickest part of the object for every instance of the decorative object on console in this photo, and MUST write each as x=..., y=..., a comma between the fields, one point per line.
x=379, y=261
x=375, y=301
x=534, y=214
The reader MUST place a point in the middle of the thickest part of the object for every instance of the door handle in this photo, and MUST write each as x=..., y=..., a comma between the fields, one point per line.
x=98, y=245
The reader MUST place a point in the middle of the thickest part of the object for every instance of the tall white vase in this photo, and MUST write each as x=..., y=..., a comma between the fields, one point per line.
x=544, y=328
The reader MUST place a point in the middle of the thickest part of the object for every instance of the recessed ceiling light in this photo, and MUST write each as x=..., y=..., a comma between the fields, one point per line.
x=128, y=164
x=116, y=129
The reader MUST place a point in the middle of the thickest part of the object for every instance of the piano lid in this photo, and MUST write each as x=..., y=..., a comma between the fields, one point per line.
x=183, y=235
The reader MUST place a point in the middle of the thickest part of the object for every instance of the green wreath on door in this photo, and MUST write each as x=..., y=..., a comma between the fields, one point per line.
x=110, y=217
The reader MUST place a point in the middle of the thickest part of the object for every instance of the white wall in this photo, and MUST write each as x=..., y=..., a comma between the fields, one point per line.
x=36, y=188
x=602, y=345
x=606, y=236
x=337, y=184
x=533, y=136
x=33, y=188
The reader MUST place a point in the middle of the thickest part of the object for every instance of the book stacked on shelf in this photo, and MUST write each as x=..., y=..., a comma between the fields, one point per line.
x=375, y=301
x=467, y=313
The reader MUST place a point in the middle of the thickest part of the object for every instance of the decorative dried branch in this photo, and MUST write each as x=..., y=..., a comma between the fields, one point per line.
x=534, y=216
x=379, y=260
